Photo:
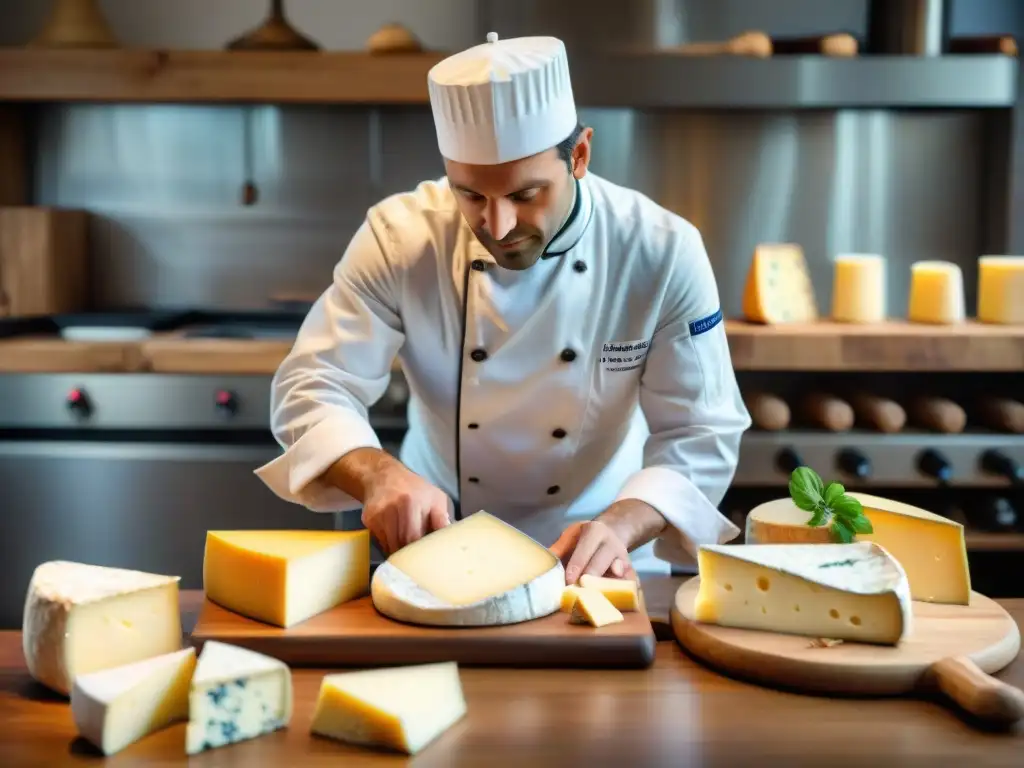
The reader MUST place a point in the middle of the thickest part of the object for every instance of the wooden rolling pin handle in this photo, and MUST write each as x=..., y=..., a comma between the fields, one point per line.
x=985, y=697
x=829, y=412
x=939, y=414
x=881, y=413
x=768, y=412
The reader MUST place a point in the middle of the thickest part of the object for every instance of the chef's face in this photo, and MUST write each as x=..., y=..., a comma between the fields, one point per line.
x=516, y=208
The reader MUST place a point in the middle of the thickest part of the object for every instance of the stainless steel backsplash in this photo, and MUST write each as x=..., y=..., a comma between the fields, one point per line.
x=170, y=228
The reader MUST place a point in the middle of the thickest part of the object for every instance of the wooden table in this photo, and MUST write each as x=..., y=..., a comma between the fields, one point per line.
x=677, y=713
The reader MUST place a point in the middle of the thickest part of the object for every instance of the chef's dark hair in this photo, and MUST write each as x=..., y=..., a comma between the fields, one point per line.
x=565, y=147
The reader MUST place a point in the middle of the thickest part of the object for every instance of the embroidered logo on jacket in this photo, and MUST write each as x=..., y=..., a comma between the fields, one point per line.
x=705, y=324
x=623, y=355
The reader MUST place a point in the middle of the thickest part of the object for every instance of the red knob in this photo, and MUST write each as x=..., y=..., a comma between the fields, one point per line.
x=226, y=401
x=77, y=401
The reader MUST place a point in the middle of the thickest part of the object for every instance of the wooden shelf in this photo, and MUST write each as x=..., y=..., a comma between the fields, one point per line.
x=214, y=76
x=995, y=542
x=892, y=346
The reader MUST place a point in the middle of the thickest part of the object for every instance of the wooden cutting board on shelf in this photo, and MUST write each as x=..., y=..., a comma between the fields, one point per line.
x=952, y=650
x=355, y=634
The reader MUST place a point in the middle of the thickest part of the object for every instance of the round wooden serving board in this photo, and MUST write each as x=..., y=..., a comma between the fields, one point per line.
x=952, y=648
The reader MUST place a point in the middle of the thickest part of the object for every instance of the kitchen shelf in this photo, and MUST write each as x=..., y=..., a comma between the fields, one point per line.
x=995, y=542
x=642, y=80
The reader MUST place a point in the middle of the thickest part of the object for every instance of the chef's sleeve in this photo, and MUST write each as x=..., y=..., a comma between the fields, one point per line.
x=693, y=406
x=339, y=366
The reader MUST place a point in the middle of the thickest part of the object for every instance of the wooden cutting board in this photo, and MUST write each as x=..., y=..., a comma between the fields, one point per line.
x=952, y=649
x=355, y=634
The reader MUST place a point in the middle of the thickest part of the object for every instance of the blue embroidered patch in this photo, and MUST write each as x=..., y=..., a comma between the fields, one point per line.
x=705, y=324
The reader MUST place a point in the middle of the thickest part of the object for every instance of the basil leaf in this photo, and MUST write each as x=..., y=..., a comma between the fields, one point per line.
x=847, y=507
x=841, y=531
x=861, y=524
x=818, y=518
x=806, y=489
x=833, y=493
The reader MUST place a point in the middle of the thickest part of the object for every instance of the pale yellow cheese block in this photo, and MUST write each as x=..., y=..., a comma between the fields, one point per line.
x=936, y=293
x=931, y=548
x=624, y=594
x=569, y=597
x=1001, y=290
x=285, y=577
x=859, y=288
x=593, y=608
x=778, y=288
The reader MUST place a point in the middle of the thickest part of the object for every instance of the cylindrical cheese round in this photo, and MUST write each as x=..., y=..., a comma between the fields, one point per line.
x=1001, y=290
x=780, y=521
x=936, y=293
x=859, y=288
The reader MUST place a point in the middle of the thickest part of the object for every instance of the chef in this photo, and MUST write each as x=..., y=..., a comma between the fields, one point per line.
x=562, y=339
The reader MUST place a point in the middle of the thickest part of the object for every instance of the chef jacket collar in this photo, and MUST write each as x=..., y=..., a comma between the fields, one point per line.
x=572, y=231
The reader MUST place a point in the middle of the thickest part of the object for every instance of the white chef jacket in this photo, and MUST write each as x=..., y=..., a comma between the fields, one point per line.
x=615, y=383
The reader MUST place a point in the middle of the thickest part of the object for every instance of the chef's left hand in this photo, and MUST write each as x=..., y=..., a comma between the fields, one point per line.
x=592, y=547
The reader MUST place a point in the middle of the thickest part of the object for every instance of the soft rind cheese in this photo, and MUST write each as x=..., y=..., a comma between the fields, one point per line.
x=285, y=577
x=936, y=293
x=1001, y=290
x=859, y=288
x=932, y=549
x=624, y=594
x=593, y=608
x=778, y=287
x=236, y=694
x=114, y=708
x=856, y=592
x=81, y=618
x=400, y=708
x=479, y=571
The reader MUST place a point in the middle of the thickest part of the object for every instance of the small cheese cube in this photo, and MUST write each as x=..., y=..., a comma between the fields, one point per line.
x=936, y=293
x=569, y=597
x=1001, y=290
x=116, y=707
x=778, y=288
x=593, y=608
x=400, y=708
x=859, y=289
x=624, y=594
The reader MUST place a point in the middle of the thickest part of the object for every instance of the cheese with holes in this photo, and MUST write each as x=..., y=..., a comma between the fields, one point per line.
x=593, y=608
x=82, y=618
x=1001, y=290
x=569, y=597
x=936, y=293
x=932, y=549
x=400, y=708
x=859, y=288
x=236, y=695
x=114, y=708
x=856, y=592
x=479, y=571
x=624, y=594
x=778, y=288
x=285, y=577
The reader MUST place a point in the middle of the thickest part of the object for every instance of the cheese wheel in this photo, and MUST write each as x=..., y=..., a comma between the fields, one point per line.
x=936, y=293
x=779, y=288
x=1001, y=290
x=859, y=289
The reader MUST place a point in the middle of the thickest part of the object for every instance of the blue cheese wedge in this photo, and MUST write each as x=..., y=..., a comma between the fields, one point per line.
x=856, y=592
x=236, y=694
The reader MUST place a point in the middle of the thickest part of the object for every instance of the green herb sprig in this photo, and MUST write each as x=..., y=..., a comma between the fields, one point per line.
x=828, y=505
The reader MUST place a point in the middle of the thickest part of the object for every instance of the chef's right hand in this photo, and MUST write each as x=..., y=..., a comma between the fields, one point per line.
x=402, y=507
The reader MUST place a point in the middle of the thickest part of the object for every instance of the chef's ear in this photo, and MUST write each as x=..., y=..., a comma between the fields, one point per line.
x=581, y=153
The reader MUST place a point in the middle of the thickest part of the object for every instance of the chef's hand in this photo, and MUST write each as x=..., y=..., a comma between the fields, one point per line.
x=592, y=547
x=401, y=507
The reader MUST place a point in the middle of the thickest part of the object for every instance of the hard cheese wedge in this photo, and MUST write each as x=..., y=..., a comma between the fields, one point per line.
x=479, y=571
x=852, y=592
x=593, y=608
x=936, y=293
x=236, y=695
x=624, y=594
x=82, y=618
x=285, y=577
x=779, y=288
x=1001, y=290
x=931, y=548
x=116, y=707
x=402, y=708
x=569, y=595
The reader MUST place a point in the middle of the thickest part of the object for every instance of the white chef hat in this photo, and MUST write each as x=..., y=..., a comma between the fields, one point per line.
x=503, y=100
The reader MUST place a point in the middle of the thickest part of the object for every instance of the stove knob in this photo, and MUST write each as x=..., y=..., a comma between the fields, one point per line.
x=226, y=402
x=932, y=463
x=787, y=460
x=78, y=402
x=853, y=462
x=998, y=463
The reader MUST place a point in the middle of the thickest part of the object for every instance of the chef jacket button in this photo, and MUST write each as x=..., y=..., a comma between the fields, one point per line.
x=553, y=490
x=474, y=425
x=559, y=433
x=474, y=479
x=568, y=355
x=478, y=265
x=580, y=266
x=479, y=355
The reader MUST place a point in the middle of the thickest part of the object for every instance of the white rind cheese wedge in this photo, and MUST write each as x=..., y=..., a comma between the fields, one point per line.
x=624, y=594
x=285, y=577
x=114, y=708
x=401, y=708
x=593, y=608
x=479, y=571
x=82, y=618
x=931, y=548
x=856, y=592
x=236, y=694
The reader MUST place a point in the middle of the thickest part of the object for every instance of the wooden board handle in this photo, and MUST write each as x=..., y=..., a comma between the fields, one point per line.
x=985, y=697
